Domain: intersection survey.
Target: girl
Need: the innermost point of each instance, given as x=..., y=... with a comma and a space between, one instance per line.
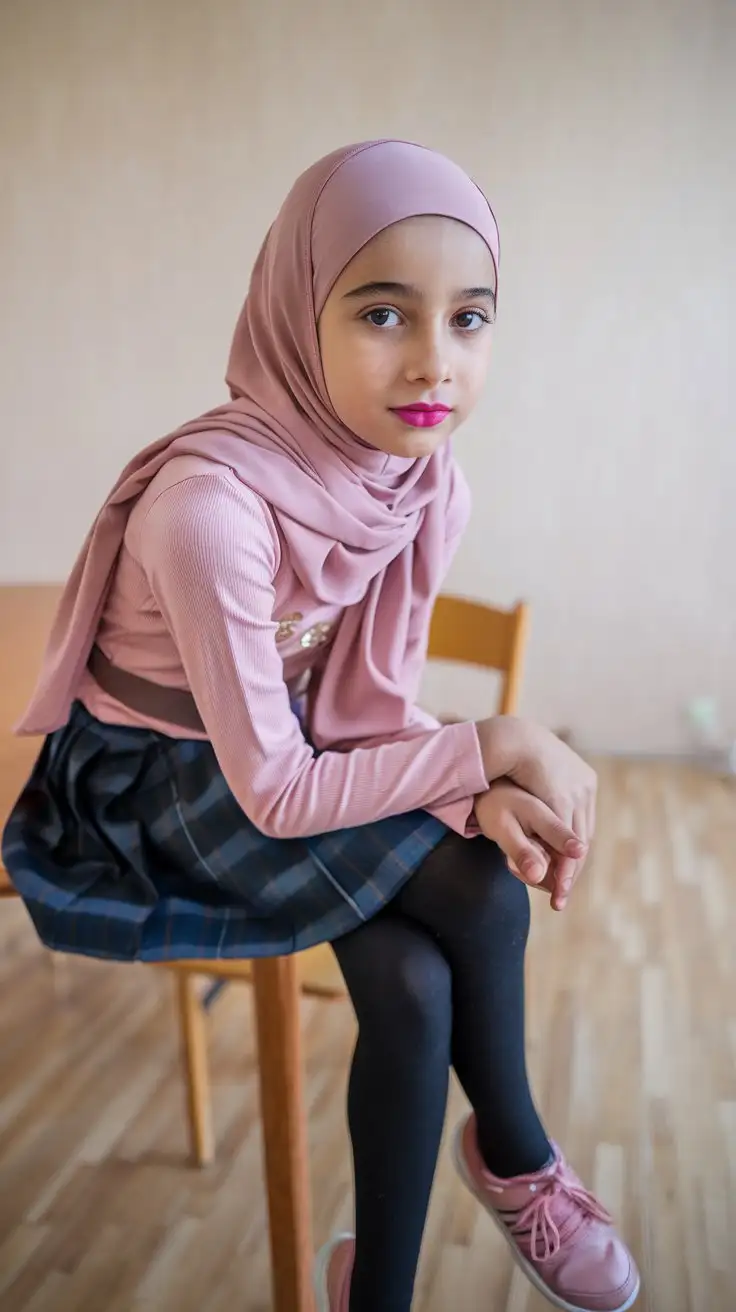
x=235, y=764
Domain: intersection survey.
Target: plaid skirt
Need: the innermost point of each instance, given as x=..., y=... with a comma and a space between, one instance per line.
x=129, y=845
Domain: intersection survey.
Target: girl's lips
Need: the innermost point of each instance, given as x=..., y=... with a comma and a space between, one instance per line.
x=422, y=416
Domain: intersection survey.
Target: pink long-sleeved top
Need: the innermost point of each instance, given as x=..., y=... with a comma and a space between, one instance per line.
x=204, y=597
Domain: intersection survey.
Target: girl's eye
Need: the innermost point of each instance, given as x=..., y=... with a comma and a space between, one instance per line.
x=471, y=320
x=382, y=317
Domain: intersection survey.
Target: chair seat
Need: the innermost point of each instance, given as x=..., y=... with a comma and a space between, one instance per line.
x=317, y=970
x=231, y=969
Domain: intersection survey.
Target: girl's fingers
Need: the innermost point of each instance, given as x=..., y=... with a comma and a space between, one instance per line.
x=564, y=838
x=548, y=883
x=564, y=879
x=525, y=857
x=544, y=859
x=556, y=835
x=541, y=849
x=568, y=871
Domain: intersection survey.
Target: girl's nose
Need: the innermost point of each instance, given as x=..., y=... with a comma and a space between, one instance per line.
x=429, y=358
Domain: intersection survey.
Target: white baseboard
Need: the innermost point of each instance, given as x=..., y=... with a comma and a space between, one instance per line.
x=720, y=763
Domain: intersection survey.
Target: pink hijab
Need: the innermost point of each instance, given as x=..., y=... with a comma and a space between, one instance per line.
x=364, y=530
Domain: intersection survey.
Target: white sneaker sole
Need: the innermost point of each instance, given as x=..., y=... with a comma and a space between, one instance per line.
x=321, y=1267
x=527, y=1267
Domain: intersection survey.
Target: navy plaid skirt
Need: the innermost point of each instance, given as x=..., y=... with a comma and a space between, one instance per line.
x=128, y=844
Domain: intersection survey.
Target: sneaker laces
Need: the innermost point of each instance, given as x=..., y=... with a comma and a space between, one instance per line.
x=536, y=1217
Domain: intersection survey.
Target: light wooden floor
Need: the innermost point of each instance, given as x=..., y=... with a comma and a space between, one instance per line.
x=632, y=1006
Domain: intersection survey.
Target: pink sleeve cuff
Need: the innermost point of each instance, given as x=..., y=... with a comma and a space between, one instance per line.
x=459, y=815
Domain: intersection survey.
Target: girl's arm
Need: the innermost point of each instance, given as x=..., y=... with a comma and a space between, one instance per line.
x=210, y=555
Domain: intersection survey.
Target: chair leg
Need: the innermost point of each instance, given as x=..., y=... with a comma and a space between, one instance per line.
x=194, y=1055
x=276, y=992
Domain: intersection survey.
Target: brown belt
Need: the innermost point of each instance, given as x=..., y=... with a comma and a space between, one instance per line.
x=175, y=706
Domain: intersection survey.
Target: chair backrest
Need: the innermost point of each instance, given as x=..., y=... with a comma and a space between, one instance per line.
x=474, y=634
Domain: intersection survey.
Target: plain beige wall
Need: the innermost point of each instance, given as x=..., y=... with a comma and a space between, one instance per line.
x=145, y=146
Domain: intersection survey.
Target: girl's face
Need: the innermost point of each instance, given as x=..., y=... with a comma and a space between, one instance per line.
x=408, y=324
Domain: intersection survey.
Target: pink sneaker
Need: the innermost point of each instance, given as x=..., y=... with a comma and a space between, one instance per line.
x=332, y=1272
x=560, y=1236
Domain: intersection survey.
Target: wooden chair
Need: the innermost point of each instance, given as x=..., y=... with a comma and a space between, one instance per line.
x=461, y=630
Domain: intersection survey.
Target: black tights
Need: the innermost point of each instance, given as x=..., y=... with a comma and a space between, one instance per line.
x=437, y=979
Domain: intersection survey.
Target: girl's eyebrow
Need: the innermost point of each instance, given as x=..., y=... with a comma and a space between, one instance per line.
x=384, y=289
x=414, y=293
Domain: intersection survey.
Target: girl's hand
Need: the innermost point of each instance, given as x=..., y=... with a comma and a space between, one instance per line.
x=535, y=842
x=539, y=762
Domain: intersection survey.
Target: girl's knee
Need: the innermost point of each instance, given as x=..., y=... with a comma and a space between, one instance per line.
x=504, y=898
x=478, y=887
x=420, y=989
x=402, y=989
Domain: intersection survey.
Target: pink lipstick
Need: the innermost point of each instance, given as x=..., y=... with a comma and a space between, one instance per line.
x=421, y=415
